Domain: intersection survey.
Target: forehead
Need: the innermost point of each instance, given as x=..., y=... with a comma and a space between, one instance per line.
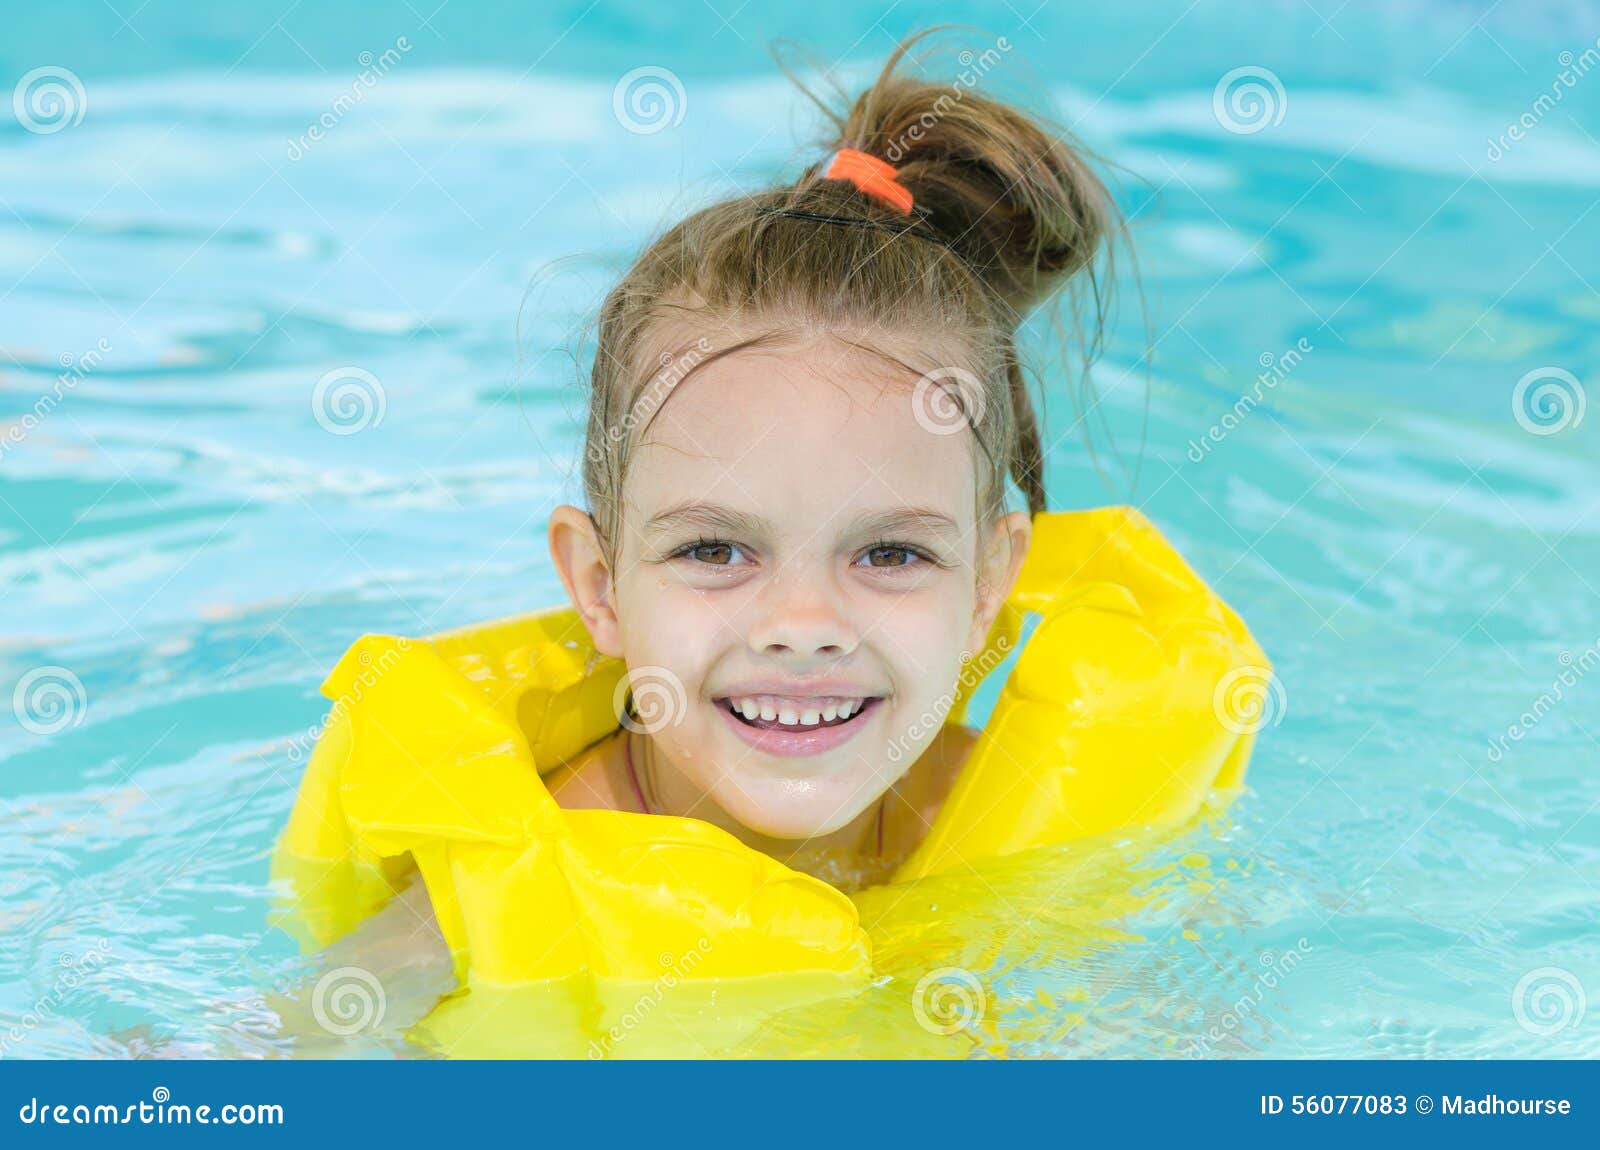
x=801, y=430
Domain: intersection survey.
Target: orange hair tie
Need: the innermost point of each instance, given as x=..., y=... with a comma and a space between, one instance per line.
x=873, y=176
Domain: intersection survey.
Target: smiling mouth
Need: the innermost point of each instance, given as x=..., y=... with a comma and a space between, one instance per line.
x=811, y=713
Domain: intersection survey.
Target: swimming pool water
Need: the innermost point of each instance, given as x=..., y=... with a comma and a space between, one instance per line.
x=306, y=400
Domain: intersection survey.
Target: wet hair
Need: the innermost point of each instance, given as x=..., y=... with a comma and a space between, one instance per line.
x=1007, y=214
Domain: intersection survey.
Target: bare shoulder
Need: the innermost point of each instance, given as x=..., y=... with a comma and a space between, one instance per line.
x=591, y=781
x=402, y=934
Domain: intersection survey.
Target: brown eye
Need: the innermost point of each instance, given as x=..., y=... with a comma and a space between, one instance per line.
x=888, y=556
x=719, y=554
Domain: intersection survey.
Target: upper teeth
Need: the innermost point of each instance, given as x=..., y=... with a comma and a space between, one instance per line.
x=795, y=712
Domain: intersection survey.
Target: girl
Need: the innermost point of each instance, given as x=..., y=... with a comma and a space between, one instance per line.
x=806, y=406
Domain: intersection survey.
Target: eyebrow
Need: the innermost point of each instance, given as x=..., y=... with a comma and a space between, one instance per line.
x=719, y=517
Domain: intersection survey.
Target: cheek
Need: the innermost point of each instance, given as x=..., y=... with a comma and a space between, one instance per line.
x=924, y=636
x=665, y=624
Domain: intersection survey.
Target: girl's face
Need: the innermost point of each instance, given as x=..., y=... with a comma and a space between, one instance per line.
x=799, y=573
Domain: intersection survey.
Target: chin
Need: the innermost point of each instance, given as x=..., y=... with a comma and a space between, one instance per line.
x=778, y=815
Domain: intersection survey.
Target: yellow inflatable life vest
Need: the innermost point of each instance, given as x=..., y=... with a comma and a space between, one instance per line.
x=1115, y=716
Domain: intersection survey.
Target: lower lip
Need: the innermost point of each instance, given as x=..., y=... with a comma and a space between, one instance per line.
x=801, y=741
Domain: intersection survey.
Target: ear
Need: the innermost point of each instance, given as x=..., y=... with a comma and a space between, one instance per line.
x=999, y=564
x=581, y=563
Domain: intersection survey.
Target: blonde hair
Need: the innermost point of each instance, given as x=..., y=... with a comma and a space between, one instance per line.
x=1005, y=215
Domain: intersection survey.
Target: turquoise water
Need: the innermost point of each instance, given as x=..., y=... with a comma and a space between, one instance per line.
x=1405, y=513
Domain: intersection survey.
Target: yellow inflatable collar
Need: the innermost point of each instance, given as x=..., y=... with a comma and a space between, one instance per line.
x=433, y=752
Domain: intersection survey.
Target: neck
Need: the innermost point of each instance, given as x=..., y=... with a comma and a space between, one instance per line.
x=666, y=791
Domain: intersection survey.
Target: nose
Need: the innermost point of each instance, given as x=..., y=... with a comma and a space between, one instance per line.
x=800, y=615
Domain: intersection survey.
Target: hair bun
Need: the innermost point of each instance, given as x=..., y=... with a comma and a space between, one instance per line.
x=1018, y=203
